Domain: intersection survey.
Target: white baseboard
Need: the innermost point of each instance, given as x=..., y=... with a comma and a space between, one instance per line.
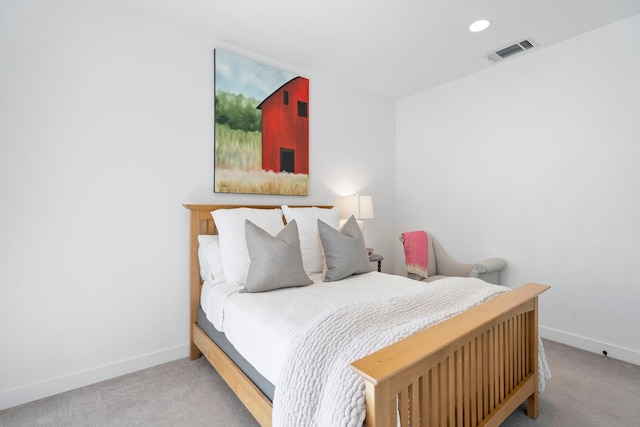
x=35, y=391
x=39, y=390
x=591, y=345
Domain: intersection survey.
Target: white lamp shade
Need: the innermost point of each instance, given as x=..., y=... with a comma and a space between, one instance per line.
x=361, y=207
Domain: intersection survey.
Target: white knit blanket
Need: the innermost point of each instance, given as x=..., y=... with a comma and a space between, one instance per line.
x=318, y=387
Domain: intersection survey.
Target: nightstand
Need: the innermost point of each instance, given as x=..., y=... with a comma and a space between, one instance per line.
x=376, y=258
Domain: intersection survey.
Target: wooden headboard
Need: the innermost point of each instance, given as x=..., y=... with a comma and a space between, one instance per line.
x=202, y=223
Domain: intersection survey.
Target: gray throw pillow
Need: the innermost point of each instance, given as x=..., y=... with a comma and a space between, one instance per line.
x=344, y=250
x=276, y=262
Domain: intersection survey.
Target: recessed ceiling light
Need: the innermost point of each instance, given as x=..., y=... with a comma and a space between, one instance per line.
x=479, y=25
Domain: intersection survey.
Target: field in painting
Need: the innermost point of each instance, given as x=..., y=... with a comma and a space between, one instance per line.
x=261, y=182
x=238, y=149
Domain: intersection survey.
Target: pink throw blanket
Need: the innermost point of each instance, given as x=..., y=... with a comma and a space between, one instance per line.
x=416, y=252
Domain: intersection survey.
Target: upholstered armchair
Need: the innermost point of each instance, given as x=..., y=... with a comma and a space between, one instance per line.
x=441, y=265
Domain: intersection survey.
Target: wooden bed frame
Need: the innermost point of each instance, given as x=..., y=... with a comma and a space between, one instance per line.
x=471, y=370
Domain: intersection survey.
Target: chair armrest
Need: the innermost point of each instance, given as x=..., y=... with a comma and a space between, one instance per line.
x=446, y=265
x=451, y=267
x=488, y=266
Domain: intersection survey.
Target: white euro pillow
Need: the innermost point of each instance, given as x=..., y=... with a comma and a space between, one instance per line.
x=233, y=243
x=210, y=257
x=307, y=220
x=204, y=240
x=205, y=270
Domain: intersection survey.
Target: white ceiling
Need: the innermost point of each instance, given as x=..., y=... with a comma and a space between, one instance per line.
x=393, y=48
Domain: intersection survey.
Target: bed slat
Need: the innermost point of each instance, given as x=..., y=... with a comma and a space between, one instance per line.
x=447, y=365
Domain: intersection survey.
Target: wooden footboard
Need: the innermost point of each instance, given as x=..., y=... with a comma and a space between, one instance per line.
x=473, y=369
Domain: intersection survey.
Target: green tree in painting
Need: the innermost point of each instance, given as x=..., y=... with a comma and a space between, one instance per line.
x=238, y=133
x=238, y=112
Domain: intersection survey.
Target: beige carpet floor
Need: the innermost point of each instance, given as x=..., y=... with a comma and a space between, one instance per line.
x=585, y=391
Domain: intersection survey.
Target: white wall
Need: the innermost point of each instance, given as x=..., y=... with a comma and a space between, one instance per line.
x=106, y=129
x=536, y=160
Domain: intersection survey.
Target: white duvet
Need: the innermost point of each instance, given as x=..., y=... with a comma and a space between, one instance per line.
x=262, y=325
x=319, y=388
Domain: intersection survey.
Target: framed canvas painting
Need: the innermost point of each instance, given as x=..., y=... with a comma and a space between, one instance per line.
x=261, y=128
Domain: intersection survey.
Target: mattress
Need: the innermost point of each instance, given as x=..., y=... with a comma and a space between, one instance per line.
x=221, y=341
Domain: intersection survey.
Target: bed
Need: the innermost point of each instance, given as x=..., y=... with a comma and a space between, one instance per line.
x=474, y=368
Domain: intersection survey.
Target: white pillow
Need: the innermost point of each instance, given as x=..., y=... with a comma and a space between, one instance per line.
x=205, y=270
x=307, y=220
x=233, y=243
x=210, y=257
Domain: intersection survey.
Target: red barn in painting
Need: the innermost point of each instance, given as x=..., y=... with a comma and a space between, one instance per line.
x=285, y=128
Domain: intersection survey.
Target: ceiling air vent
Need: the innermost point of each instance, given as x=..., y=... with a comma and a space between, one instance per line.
x=505, y=52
